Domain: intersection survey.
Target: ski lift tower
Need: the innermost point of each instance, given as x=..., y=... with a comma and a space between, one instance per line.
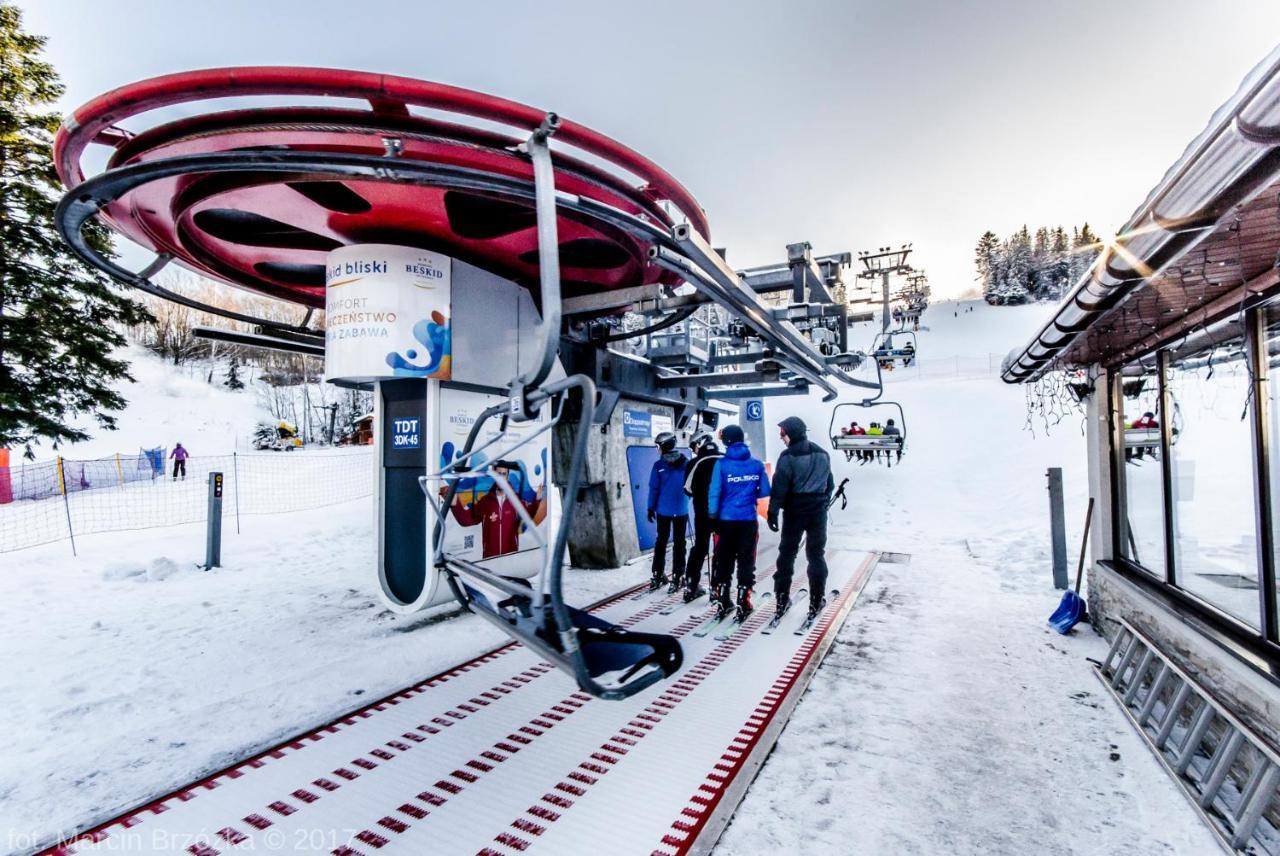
x=884, y=263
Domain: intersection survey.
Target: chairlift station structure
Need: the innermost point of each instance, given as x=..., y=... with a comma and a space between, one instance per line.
x=474, y=278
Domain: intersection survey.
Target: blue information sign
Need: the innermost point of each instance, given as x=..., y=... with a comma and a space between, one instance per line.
x=405, y=434
x=755, y=411
x=637, y=423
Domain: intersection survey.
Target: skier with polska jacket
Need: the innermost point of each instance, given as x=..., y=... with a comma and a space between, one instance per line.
x=737, y=481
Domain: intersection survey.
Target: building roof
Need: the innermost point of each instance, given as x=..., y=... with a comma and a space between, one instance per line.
x=1204, y=240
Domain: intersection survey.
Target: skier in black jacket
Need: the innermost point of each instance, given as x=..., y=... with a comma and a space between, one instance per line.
x=697, y=484
x=802, y=488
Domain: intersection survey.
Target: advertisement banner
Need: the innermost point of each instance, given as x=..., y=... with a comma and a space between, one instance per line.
x=637, y=423
x=387, y=313
x=484, y=523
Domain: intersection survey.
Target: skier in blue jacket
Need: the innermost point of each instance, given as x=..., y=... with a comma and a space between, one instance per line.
x=736, y=483
x=669, y=508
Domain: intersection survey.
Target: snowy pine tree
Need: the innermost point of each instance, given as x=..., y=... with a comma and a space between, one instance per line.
x=986, y=259
x=232, y=378
x=1025, y=267
x=60, y=320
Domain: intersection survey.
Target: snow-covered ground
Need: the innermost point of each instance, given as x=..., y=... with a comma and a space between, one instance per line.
x=947, y=719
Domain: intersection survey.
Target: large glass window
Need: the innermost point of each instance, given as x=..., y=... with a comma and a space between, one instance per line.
x=1215, y=542
x=1143, y=526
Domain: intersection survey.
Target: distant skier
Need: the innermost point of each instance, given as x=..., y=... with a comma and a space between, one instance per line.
x=697, y=486
x=179, y=455
x=802, y=488
x=737, y=481
x=669, y=508
x=891, y=430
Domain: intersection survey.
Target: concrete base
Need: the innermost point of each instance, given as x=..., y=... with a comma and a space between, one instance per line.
x=604, y=525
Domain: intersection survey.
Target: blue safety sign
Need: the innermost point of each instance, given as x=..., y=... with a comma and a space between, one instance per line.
x=637, y=423
x=405, y=434
x=755, y=411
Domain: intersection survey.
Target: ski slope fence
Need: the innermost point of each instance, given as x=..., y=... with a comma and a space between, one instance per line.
x=945, y=367
x=62, y=499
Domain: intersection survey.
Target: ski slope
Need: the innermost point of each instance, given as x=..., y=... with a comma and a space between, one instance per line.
x=947, y=718
x=172, y=404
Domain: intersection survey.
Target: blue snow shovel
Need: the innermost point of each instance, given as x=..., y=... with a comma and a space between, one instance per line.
x=1072, y=608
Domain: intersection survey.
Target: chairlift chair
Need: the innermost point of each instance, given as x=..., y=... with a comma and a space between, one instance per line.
x=607, y=661
x=888, y=354
x=860, y=445
x=1140, y=441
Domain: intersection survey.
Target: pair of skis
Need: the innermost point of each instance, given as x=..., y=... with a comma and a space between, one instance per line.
x=679, y=602
x=727, y=623
x=809, y=618
x=777, y=618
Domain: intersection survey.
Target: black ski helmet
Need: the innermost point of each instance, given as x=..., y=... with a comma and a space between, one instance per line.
x=666, y=441
x=701, y=439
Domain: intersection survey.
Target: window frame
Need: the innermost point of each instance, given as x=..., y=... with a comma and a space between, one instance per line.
x=1262, y=643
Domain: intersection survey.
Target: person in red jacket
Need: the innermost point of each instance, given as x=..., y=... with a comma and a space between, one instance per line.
x=1146, y=422
x=856, y=430
x=496, y=514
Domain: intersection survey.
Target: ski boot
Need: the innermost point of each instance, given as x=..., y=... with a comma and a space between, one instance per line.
x=676, y=584
x=745, y=606
x=783, y=601
x=693, y=592
x=657, y=581
x=720, y=595
x=816, y=603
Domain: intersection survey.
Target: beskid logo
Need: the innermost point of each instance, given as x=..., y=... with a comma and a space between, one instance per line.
x=424, y=269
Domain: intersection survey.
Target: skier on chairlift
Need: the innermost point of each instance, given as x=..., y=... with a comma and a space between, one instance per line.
x=856, y=430
x=737, y=481
x=697, y=486
x=1147, y=422
x=669, y=508
x=891, y=430
x=802, y=489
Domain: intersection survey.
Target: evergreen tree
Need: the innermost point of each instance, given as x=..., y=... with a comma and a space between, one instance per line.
x=1041, y=282
x=1019, y=274
x=232, y=378
x=60, y=320
x=985, y=258
x=1085, y=246
x=1059, y=263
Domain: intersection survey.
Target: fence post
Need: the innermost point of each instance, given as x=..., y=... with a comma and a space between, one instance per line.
x=235, y=485
x=213, y=529
x=66, y=505
x=1057, y=528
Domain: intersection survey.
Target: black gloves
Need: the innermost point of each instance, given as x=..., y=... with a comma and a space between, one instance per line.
x=653, y=515
x=773, y=524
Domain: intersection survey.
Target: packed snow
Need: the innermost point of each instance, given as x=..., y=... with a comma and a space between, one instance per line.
x=948, y=717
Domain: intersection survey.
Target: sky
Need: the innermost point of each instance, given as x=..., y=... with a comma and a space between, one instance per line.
x=851, y=125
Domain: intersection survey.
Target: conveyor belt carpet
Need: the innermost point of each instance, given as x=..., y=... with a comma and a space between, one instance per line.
x=502, y=756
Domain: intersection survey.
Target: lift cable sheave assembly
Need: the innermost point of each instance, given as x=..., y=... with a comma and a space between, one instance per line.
x=179, y=161
x=257, y=197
